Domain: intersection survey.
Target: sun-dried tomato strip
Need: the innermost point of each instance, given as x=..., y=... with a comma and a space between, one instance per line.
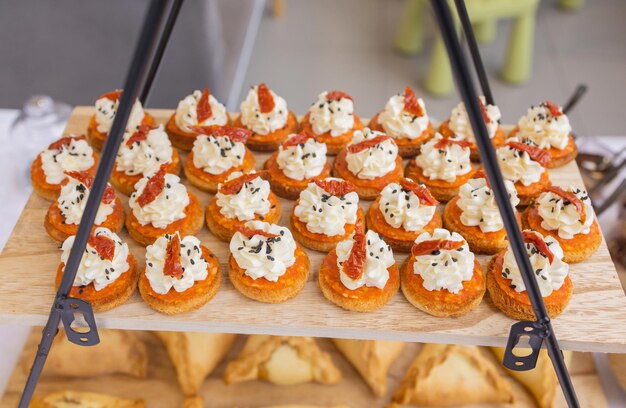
x=113, y=95
x=337, y=95
x=531, y=237
x=140, y=135
x=250, y=232
x=554, y=109
x=153, y=187
x=234, y=186
x=353, y=266
x=172, y=266
x=236, y=134
x=365, y=144
x=266, y=100
x=445, y=142
x=432, y=245
x=87, y=179
x=104, y=246
x=411, y=103
x=483, y=110
x=422, y=193
x=335, y=187
x=65, y=140
x=572, y=198
x=203, y=108
x=295, y=140
x=541, y=156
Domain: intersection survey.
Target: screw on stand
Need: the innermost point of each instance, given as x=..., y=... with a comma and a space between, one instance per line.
x=540, y=331
x=142, y=70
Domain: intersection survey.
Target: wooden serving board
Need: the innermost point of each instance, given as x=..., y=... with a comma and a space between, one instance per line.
x=160, y=388
x=595, y=319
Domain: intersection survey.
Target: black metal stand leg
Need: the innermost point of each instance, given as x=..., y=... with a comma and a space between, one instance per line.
x=145, y=61
x=541, y=330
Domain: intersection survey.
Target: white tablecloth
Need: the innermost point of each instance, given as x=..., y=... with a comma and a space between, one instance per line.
x=12, y=337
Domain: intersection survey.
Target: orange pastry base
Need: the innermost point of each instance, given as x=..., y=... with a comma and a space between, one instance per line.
x=262, y=290
x=398, y=239
x=498, y=139
x=42, y=187
x=193, y=298
x=517, y=305
x=334, y=144
x=406, y=147
x=284, y=186
x=111, y=296
x=271, y=141
x=363, y=299
x=125, y=183
x=479, y=242
x=315, y=241
x=180, y=138
x=442, y=303
x=442, y=190
x=224, y=228
x=59, y=231
x=577, y=249
x=527, y=194
x=366, y=189
x=208, y=182
x=147, y=234
x=558, y=157
x=96, y=138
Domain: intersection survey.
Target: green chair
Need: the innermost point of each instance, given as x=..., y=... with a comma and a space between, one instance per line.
x=484, y=15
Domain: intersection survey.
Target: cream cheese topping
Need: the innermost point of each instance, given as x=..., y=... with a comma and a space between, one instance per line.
x=478, y=204
x=379, y=258
x=263, y=123
x=95, y=269
x=106, y=110
x=186, y=115
x=560, y=215
x=444, y=269
x=195, y=267
x=167, y=207
x=402, y=208
x=446, y=163
x=400, y=124
x=262, y=257
x=459, y=121
x=303, y=161
x=334, y=116
x=518, y=166
x=375, y=161
x=72, y=201
x=252, y=199
x=77, y=155
x=550, y=277
x=540, y=126
x=145, y=156
x=216, y=155
x=323, y=213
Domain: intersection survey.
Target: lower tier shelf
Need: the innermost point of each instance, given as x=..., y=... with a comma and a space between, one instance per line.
x=595, y=319
x=160, y=389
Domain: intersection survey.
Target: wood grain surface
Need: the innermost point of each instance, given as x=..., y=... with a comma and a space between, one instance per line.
x=160, y=388
x=594, y=321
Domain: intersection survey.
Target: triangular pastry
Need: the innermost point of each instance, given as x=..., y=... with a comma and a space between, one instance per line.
x=444, y=375
x=282, y=360
x=79, y=399
x=119, y=352
x=541, y=381
x=195, y=355
x=372, y=359
x=193, y=402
